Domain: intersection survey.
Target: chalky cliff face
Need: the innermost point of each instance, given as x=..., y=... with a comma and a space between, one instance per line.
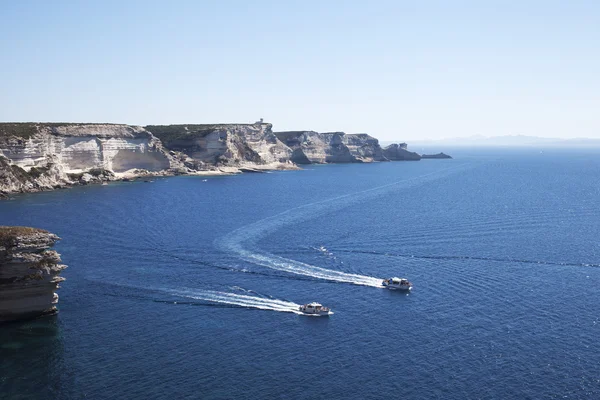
x=337, y=147
x=28, y=273
x=45, y=156
x=80, y=147
x=232, y=145
x=364, y=148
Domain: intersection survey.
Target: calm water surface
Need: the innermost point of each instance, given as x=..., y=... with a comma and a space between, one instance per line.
x=186, y=287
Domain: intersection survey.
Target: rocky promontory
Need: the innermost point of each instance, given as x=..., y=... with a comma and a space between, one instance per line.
x=399, y=152
x=28, y=273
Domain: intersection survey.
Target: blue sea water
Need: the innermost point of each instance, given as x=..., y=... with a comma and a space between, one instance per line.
x=186, y=287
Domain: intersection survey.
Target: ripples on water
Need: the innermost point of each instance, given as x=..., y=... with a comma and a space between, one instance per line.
x=189, y=287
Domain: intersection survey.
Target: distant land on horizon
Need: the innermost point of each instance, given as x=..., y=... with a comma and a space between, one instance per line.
x=507, y=140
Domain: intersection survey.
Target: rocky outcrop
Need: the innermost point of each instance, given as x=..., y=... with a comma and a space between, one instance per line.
x=438, y=155
x=47, y=175
x=336, y=147
x=28, y=273
x=201, y=147
x=399, y=152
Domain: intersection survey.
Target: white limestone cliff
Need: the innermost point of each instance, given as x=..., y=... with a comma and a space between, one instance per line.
x=237, y=146
x=48, y=155
x=79, y=147
x=334, y=147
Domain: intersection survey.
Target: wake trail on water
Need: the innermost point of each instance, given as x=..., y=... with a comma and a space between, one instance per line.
x=243, y=241
x=477, y=258
x=240, y=300
x=250, y=299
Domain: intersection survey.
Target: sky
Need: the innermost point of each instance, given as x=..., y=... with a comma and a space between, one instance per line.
x=398, y=70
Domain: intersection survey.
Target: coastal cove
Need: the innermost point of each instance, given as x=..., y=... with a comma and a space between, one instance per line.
x=190, y=281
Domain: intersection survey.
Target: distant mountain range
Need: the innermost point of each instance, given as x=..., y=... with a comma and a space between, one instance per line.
x=510, y=140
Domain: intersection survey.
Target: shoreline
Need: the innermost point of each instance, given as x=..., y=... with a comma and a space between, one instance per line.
x=135, y=175
x=147, y=176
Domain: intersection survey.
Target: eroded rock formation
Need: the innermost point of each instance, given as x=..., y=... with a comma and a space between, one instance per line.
x=399, y=152
x=242, y=146
x=28, y=273
x=334, y=147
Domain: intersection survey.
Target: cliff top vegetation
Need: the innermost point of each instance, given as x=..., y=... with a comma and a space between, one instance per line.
x=25, y=130
x=172, y=133
x=9, y=234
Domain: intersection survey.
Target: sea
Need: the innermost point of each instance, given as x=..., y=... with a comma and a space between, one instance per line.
x=188, y=287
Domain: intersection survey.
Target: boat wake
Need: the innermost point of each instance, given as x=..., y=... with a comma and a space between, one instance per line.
x=243, y=241
x=240, y=300
x=297, y=267
x=199, y=297
x=476, y=258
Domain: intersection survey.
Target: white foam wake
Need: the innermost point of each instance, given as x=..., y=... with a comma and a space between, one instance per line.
x=240, y=300
x=242, y=241
x=297, y=267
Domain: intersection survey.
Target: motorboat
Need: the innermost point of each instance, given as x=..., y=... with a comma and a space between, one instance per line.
x=397, y=284
x=315, y=309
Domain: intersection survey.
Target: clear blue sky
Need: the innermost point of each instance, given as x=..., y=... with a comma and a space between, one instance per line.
x=394, y=69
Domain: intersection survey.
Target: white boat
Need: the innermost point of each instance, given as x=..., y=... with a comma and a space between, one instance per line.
x=315, y=309
x=397, y=284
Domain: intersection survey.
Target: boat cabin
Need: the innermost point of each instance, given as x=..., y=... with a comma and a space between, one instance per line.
x=397, y=281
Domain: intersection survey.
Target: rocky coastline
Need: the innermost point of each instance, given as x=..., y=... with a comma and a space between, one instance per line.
x=29, y=273
x=47, y=156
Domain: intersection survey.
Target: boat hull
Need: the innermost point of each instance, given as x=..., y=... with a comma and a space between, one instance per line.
x=320, y=314
x=403, y=289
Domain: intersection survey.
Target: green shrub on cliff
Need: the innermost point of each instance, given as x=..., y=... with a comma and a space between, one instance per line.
x=36, y=172
x=9, y=234
x=22, y=130
x=25, y=130
x=170, y=134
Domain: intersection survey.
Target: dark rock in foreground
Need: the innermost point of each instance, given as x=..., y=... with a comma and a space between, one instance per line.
x=28, y=273
x=438, y=155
